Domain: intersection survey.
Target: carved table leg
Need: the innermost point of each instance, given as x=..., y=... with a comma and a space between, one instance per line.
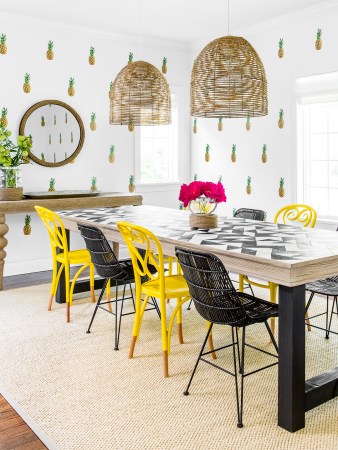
x=3, y=242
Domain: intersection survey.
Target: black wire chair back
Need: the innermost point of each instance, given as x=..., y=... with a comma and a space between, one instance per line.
x=252, y=214
x=211, y=289
x=102, y=255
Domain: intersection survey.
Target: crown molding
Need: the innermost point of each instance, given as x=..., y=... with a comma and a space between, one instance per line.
x=54, y=25
x=302, y=15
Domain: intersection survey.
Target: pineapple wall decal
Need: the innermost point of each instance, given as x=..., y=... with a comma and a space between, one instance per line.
x=60, y=138
x=43, y=123
x=71, y=88
x=66, y=118
x=112, y=154
x=3, y=46
x=264, y=155
x=93, y=121
x=93, y=186
x=280, y=48
x=4, y=120
x=248, y=186
x=130, y=57
x=194, y=128
x=207, y=153
x=131, y=125
x=91, y=58
x=281, y=119
x=27, y=229
x=110, y=93
x=131, y=186
x=233, y=153
x=50, y=51
x=319, y=42
x=51, y=185
x=281, y=190
x=220, y=124
x=248, y=124
x=43, y=157
x=195, y=177
x=164, y=65
x=26, y=84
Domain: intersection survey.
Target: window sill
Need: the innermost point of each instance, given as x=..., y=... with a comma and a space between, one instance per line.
x=158, y=187
x=327, y=223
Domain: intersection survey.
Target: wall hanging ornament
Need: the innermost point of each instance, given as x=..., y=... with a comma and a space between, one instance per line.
x=130, y=57
x=71, y=137
x=281, y=119
x=195, y=177
x=248, y=186
x=27, y=229
x=51, y=185
x=93, y=186
x=319, y=42
x=220, y=124
x=66, y=118
x=281, y=190
x=26, y=84
x=93, y=121
x=4, y=120
x=54, y=119
x=71, y=88
x=91, y=58
x=280, y=48
x=194, y=128
x=164, y=65
x=54, y=157
x=43, y=157
x=233, y=153
x=248, y=124
x=228, y=80
x=264, y=155
x=112, y=154
x=50, y=139
x=207, y=153
x=110, y=90
x=50, y=51
x=131, y=186
x=43, y=123
x=3, y=46
x=60, y=138
x=66, y=156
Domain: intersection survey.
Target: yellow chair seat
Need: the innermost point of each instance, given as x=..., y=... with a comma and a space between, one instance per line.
x=75, y=257
x=175, y=287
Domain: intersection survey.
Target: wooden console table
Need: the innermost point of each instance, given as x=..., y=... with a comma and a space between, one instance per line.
x=106, y=200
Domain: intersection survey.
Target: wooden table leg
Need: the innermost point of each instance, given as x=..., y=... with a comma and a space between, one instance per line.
x=3, y=242
x=291, y=366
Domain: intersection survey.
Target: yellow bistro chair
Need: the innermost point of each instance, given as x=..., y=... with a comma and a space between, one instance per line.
x=160, y=286
x=66, y=258
x=306, y=216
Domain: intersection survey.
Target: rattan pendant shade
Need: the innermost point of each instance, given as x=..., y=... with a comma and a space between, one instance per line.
x=228, y=80
x=140, y=95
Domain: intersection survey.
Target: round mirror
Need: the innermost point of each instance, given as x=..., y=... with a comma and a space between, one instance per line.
x=57, y=132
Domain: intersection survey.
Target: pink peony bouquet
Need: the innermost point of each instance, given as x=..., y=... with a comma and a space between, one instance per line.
x=212, y=191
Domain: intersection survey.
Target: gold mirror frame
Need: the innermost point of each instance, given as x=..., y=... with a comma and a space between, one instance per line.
x=78, y=119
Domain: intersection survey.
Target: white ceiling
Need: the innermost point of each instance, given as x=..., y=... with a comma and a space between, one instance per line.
x=181, y=20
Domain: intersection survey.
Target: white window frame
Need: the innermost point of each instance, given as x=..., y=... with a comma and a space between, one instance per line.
x=167, y=185
x=309, y=98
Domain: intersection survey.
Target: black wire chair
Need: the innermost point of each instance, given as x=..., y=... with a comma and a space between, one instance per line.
x=110, y=268
x=252, y=214
x=217, y=301
x=328, y=288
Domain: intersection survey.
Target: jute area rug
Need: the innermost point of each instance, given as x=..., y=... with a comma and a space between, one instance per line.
x=77, y=393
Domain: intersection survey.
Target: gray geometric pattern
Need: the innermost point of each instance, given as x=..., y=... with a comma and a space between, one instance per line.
x=262, y=239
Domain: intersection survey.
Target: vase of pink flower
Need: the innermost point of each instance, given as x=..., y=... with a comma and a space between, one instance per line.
x=202, y=197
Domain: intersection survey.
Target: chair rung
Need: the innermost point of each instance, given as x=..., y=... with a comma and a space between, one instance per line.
x=217, y=367
x=258, y=370
x=260, y=350
x=217, y=349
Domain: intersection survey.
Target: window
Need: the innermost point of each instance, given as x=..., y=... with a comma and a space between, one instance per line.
x=157, y=150
x=318, y=153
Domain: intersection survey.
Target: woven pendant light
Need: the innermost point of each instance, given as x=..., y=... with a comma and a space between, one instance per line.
x=140, y=95
x=228, y=80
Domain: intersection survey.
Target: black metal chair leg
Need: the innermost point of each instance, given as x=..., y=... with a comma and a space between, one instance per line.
x=132, y=296
x=98, y=304
x=186, y=392
x=327, y=332
x=189, y=306
x=236, y=377
x=272, y=337
x=116, y=315
x=333, y=303
x=309, y=302
x=238, y=352
x=156, y=307
x=240, y=418
x=120, y=320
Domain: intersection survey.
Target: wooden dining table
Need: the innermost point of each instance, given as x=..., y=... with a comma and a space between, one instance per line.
x=287, y=255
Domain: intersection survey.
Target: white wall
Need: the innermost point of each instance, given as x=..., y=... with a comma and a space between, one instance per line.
x=301, y=59
x=27, y=45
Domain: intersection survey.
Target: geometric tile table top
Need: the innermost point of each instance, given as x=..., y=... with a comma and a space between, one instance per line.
x=285, y=254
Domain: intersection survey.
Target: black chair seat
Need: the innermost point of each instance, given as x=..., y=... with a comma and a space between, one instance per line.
x=329, y=286
x=257, y=310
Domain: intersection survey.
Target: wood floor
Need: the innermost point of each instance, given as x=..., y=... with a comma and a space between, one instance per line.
x=15, y=434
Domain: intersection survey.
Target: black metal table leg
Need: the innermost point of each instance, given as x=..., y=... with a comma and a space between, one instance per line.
x=291, y=367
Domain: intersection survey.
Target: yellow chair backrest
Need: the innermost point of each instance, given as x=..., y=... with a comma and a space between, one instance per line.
x=136, y=238
x=304, y=214
x=55, y=228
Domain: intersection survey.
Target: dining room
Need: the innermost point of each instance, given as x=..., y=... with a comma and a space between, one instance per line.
x=168, y=217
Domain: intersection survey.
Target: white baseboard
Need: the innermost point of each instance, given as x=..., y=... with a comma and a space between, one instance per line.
x=27, y=266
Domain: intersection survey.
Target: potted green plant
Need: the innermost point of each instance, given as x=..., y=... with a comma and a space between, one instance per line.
x=11, y=156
